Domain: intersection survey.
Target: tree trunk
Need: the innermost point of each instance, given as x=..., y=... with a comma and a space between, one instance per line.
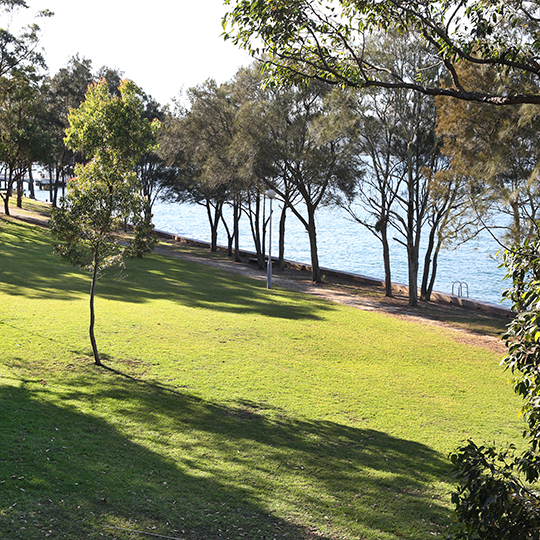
x=9, y=185
x=427, y=265
x=214, y=222
x=429, y=289
x=412, y=246
x=97, y=359
x=312, y=233
x=386, y=261
x=51, y=185
x=6, y=205
x=20, y=190
x=54, y=193
x=230, y=237
x=31, y=188
x=282, y=237
x=236, y=233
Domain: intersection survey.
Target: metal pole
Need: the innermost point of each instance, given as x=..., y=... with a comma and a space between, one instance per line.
x=269, y=276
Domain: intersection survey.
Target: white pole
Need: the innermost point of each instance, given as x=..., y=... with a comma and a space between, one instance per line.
x=271, y=194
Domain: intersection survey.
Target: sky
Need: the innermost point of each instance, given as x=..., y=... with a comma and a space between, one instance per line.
x=164, y=46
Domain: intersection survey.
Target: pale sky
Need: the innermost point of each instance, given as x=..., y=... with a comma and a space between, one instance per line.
x=162, y=45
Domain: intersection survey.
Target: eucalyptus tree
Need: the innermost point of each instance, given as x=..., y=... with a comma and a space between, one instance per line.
x=205, y=132
x=19, y=50
x=111, y=132
x=301, y=146
x=24, y=138
x=314, y=156
x=21, y=67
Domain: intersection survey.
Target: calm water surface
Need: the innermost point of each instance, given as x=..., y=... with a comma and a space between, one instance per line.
x=345, y=245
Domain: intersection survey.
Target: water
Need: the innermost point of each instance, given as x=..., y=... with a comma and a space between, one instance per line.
x=345, y=245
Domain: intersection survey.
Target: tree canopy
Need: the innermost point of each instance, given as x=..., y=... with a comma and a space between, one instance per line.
x=326, y=40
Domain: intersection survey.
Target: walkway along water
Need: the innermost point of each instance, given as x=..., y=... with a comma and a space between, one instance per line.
x=345, y=276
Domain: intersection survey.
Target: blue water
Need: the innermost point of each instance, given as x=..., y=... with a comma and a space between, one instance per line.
x=345, y=245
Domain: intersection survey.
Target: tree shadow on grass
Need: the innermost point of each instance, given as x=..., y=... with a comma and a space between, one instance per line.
x=151, y=278
x=28, y=266
x=209, y=470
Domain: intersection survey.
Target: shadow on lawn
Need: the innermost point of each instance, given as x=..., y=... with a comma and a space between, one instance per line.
x=150, y=278
x=217, y=471
x=28, y=266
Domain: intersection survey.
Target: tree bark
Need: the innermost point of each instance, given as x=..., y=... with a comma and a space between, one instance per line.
x=424, y=295
x=31, y=188
x=412, y=245
x=312, y=233
x=282, y=220
x=386, y=261
x=97, y=359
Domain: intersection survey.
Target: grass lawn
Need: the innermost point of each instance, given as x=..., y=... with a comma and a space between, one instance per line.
x=225, y=410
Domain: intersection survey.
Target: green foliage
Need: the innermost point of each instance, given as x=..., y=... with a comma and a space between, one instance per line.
x=97, y=204
x=111, y=130
x=492, y=502
x=111, y=127
x=496, y=498
x=326, y=40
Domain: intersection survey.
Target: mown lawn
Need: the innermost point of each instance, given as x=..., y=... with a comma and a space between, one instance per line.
x=225, y=410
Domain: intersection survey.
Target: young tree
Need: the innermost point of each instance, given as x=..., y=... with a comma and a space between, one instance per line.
x=111, y=131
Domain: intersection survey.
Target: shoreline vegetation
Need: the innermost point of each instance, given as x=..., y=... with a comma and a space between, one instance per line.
x=227, y=410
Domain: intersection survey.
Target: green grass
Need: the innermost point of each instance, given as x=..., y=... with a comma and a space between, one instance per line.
x=225, y=410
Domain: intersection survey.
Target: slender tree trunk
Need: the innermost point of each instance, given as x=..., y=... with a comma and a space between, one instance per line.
x=55, y=189
x=51, y=185
x=9, y=185
x=312, y=233
x=236, y=226
x=31, y=188
x=282, y=237
x=214, y=223
x=386, y=261
x=427, y=265
x=230, y=237
x=20, y=188
x=97, y=359
x=433, y=273
x=412, y=246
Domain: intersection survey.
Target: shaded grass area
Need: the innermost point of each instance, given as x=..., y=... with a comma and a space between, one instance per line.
x=226, y=410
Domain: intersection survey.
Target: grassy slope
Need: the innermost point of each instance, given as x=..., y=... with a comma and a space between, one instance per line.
x=227, y=411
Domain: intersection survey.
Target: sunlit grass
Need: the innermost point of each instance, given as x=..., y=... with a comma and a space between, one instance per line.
x=226, y=410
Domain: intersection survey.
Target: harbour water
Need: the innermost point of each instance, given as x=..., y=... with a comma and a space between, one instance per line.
x=345, y=245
